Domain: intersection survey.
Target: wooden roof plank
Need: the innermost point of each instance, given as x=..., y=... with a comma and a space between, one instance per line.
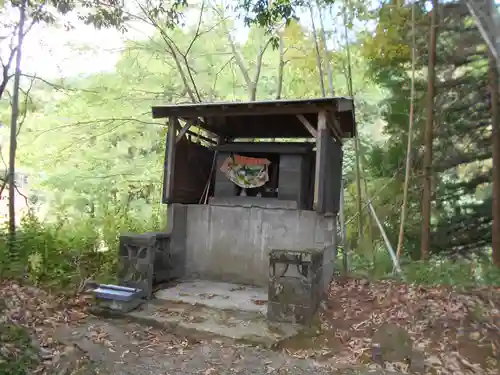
x=296, y=106
x=247, y=119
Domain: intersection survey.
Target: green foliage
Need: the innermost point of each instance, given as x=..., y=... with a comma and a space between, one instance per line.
x=268, y=14
x=461, y=208
x=17, y=356
x=94, y=151
x=96, y=13
x=438, y=271
x=66, y=253
x=95, y=157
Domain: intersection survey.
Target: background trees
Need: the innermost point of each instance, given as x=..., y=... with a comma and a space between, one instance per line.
x=94, y=154
x=461, y=209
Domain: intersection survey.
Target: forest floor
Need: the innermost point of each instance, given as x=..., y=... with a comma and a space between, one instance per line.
x=417, y=329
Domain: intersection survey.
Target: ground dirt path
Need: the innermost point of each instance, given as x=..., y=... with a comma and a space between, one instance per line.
x=418, y=330
x=119, y=347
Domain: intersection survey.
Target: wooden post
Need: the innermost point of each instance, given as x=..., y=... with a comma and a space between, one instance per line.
x=168, y=183
x=320, y=160
x=170, y=160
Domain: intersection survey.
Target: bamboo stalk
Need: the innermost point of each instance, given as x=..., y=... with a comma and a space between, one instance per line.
x=404, y=207
x=356, y=138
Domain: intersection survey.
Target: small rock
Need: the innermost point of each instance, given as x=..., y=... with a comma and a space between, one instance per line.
x=393, y=342
x=377, y=353
x=434, y=361
x=45, y=354
x=417, y=362
x=69, y=362
x=474, y=335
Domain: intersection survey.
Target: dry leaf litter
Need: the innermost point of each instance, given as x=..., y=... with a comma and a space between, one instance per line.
x=451, y=332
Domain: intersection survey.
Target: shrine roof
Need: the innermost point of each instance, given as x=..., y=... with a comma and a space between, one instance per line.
x=264, y=119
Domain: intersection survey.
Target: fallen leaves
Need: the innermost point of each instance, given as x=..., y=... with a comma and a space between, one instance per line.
x=259, y=302
x=38, y=313
x=210, y=371
x=100, y=336
x=458, y=332
x=34, y=308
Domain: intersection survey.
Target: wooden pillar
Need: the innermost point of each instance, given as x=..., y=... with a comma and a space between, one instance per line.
x=168, y=181
x=319, y=186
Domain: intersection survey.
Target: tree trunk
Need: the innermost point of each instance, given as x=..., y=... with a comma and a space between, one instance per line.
x=428, y=137
x=13, y=127
x=404, y=207
x=258, y=69
x=370, y=222
x=495, y=125
x=252, y=84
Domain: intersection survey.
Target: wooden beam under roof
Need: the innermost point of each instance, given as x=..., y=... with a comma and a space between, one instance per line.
x=276, y=107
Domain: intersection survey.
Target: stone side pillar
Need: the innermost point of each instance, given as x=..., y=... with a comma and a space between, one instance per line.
x=142, y=259
x=295, y=285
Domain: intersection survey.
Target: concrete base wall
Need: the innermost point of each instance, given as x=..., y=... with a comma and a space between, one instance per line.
x=232, y=243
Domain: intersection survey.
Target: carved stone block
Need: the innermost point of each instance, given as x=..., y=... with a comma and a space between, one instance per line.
x=294, y=285
x=136, y=261
x=164, y=262
x=145, y=259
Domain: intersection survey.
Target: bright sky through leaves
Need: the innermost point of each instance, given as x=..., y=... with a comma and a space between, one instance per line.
x=54, y=52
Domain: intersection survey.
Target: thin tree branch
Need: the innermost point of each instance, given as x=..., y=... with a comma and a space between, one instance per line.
x=194, y=95
x=217, y=75
x=25, y=110
x=281, y=66
x=258, y=69
x=317, y=50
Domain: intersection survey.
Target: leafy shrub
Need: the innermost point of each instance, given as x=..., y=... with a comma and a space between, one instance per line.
x=437, y=271
x=65, y=253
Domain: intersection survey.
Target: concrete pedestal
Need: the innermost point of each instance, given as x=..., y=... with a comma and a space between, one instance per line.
x=232, y=243
x=143, y=259
x=295, y=285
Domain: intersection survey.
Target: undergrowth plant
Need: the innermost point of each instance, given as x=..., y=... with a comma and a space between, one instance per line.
x=65, y=253
x=18, y=357
x=437, y=271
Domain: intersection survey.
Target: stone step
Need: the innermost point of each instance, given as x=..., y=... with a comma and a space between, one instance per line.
x=216, y=294
x=196, y=320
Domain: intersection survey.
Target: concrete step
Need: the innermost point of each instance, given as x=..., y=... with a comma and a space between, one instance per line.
x=218, y=295
x=214, y=309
